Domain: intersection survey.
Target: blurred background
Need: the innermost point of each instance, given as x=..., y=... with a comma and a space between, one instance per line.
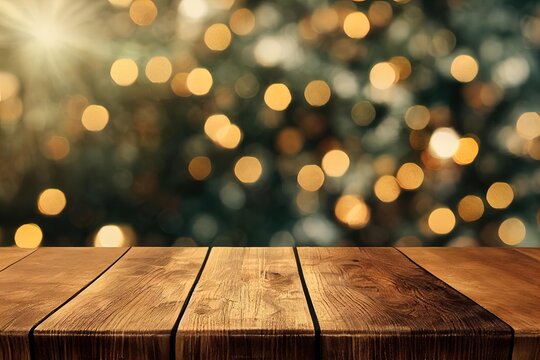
x=230, y=122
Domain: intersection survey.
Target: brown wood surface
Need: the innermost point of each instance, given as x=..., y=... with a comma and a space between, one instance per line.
x=374, y=303
x=38, y=284
x=10, y=255
x=128, y=313
x=532, y=252
x=503, y=281
x=248, y=304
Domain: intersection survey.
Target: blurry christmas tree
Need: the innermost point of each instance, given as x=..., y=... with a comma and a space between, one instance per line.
x=216, y=122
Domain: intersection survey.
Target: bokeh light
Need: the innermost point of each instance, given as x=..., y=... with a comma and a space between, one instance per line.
x=317, y=93
x=95, y=118
x=352, y=211
x=528, y=125
x=158, y=69
x=410, y=176
x=383, y=76
x=500, y=195
x=28, y=236
x=199, y=81
x=512, y=231
x=335, y=163
x=417, y=117
x=277, y=97
x=179, y=84
x=464, y=68
x=444, y=143
x=470, y=208
x=248, y=169
x=386, y=188
x=466, y=152
x=200, y=167
x=125, y=72
x=242, y=21
x=51, y=202
x=356, y=25
x=363, y=113
x=217, y=37
x=110, y=236
x=310, y=177
x=441, y=221
x=143, y=12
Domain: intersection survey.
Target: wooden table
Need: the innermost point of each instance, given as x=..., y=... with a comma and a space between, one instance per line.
x=270, y=303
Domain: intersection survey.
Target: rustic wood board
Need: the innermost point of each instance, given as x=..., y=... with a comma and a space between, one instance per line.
x=10, y=255
x=532, y=252
x=128, y=313
x=248, y=304
x=505, y=282
x=35, y=286
x=374, y=303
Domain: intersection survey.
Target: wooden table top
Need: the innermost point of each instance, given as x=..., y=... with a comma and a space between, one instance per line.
x=270, y=303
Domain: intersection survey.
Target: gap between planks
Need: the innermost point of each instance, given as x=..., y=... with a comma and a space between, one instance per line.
x=31, y=334
x=513, y=333
x=185, y=305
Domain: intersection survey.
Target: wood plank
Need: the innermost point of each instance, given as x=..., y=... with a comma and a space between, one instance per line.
x=35, y=286
x=503, y=281
x=10, y=255
x=375, y=303
x=248, y=304
x=532, y=252
x=128, y=313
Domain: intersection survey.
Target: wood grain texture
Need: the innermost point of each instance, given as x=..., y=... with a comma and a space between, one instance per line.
x=10, y=255
x=376, y=304
x=128, y=313
x=248, y=304
x=503, y=281
x=532, y=252
x=35, y=286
